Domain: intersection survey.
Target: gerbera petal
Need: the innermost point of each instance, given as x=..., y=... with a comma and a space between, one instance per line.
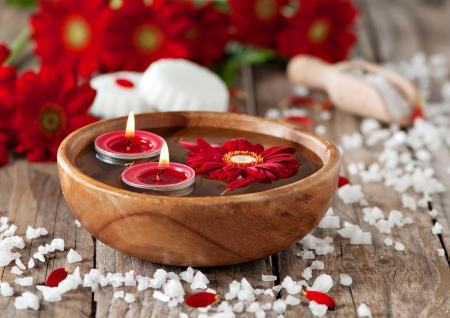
x=208, y=149
x=239, y=183
x=277, y=150
x=258, y=148
x=189, y=145
x=209, y=166
x=230, y=145
x=243, y=144
x=257, y=173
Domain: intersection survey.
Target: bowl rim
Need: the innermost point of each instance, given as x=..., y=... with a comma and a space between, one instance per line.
x=71, y=168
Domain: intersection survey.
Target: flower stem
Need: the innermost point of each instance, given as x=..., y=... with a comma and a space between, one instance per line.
x=18, y=45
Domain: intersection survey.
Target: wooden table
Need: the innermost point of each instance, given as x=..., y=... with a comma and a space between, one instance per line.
x=409, y=283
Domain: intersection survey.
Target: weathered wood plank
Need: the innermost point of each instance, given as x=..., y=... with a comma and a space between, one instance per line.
x=35, y=199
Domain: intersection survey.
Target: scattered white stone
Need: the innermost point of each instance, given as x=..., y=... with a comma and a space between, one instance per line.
x=279, y=306
x=269, y=278
x=273, y=113
x=433, y=213
x=307, y=273
x=323, y=283
x=118, y=294
x=39, y=256
x=27, y=300
x=42, y=250
x=173, y=289
x=325, y=115
x=348, y=230
x=360, y=237
x=317, y=265
x=320, y=130
x=35, y=233
x=291, y=286
x=183, y=315
x=388, y=241
x=437, y=228
x=26, y=281
x=129, y=298
x=372, y=215
x=7, y=256
x=399, y=246
x=235, y=287
x=73, y=257
x=11, y=231
x=199, y=281
x=77, y=223
x=409, y=202
x=16, y=270
x=329, y=222
x=352, y=141
x=291, y=300
x=364, y=311
x=57, y=244
x=160, y=296
x=129, y=279
x=350, y=193
x=6, y=290
x=19, y=263
x=345, y=279
x=187, y=275
x=115, y=279
x=50, y=294
x=238, y=307
x=369, y=125
x=441, y=252
x=384, y=226
x=423, y=155
x=305, y=254
x=72, y=281
x=317, y=310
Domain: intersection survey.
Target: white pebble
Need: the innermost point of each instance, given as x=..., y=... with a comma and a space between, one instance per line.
x=399, y=246
x=352, y=141
x=368, y=125
x=129, y=279
x=364, y=311
x=317, y=265
x=317, y=310
x=437, y=228
x=187, y=275
x=360, y=237
x=199, y=281
x=7, y=256
x=35, y=233
x=291, y=300
x=320, y=130
x=345, y=279
x=238, y=307
x=329, y=222
x=57, y=244
x=441, y=252
x=129, y=298
x=323, y=283
x=11, y=231
x=39, y=256
x=433, y=213
x=273, y=113
x=16, y=270
x=325, y=115
x=26, y=281
x=388, y=241
x=307, y=273
x=305, y=254
x=27, y=300
x=279, y=306
x=423, y=155
x=173, y=289
x=19, y=263
x=50, y=294
x=269, y=278
x=77, y=223
x=118, y=294
x=6, y=290
x=350, y=193
x=409, y=202
x=160, y=296
x=73, y=257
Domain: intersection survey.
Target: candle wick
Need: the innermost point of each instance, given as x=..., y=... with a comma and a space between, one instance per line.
x=128, y=144
x=160, y=173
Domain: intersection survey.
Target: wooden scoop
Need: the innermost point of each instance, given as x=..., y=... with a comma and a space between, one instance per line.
x=351, y=93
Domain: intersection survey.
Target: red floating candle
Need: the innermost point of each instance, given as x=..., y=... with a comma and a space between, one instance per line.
x=162, y=176
x=120, y=147
x=56, y=277
x=201, y=299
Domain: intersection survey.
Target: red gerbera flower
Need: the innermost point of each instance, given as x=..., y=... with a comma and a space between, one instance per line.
x=50, y=106
x=241, y=162
x=7, y=105
x=323, y=28
x=137, y=35
x=205, y=32
x=256, y=21
x=68, y=34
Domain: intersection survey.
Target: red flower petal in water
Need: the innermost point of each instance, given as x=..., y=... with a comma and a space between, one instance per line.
x=324, y=28
x=342, y=181
x=69, y=34
x=49, y=107
x=56, y=277
x=320, y=298
x=240, y=162
x=201, y=299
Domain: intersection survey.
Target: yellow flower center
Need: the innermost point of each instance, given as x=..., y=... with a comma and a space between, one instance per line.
x=318, y=31
x=265, y=10
x=242, y=158
x=52, y=119
x=77, y=33
x=147, y=38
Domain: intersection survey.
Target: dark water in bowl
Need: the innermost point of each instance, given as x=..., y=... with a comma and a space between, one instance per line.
x=109, y=174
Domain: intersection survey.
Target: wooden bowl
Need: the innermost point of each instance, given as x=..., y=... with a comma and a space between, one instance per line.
x=200, y=231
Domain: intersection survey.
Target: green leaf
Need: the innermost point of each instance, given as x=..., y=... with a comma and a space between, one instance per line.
x=22, y=3
x=241, y=55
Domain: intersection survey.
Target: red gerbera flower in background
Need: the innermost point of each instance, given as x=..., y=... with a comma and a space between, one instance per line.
x=256, y=21
x=138, y=34
x=241, y=162
x=323, y=28
x=205, y=32
x=7, y=105
x=68, y=34
x=50, y=106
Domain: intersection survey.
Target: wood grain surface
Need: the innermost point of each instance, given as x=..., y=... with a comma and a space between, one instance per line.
x=409, y=283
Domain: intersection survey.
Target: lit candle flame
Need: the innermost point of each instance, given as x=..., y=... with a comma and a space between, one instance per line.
x=129, y=131
x=164, y=157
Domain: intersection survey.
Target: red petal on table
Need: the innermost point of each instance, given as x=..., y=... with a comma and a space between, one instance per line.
x=124, y=83
x=301, y=101
x=326, y=105
x=342, y=181
x=56, y=277
x=320, y=298
x=418, y=113
x=302, y=121
x=201, y=299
